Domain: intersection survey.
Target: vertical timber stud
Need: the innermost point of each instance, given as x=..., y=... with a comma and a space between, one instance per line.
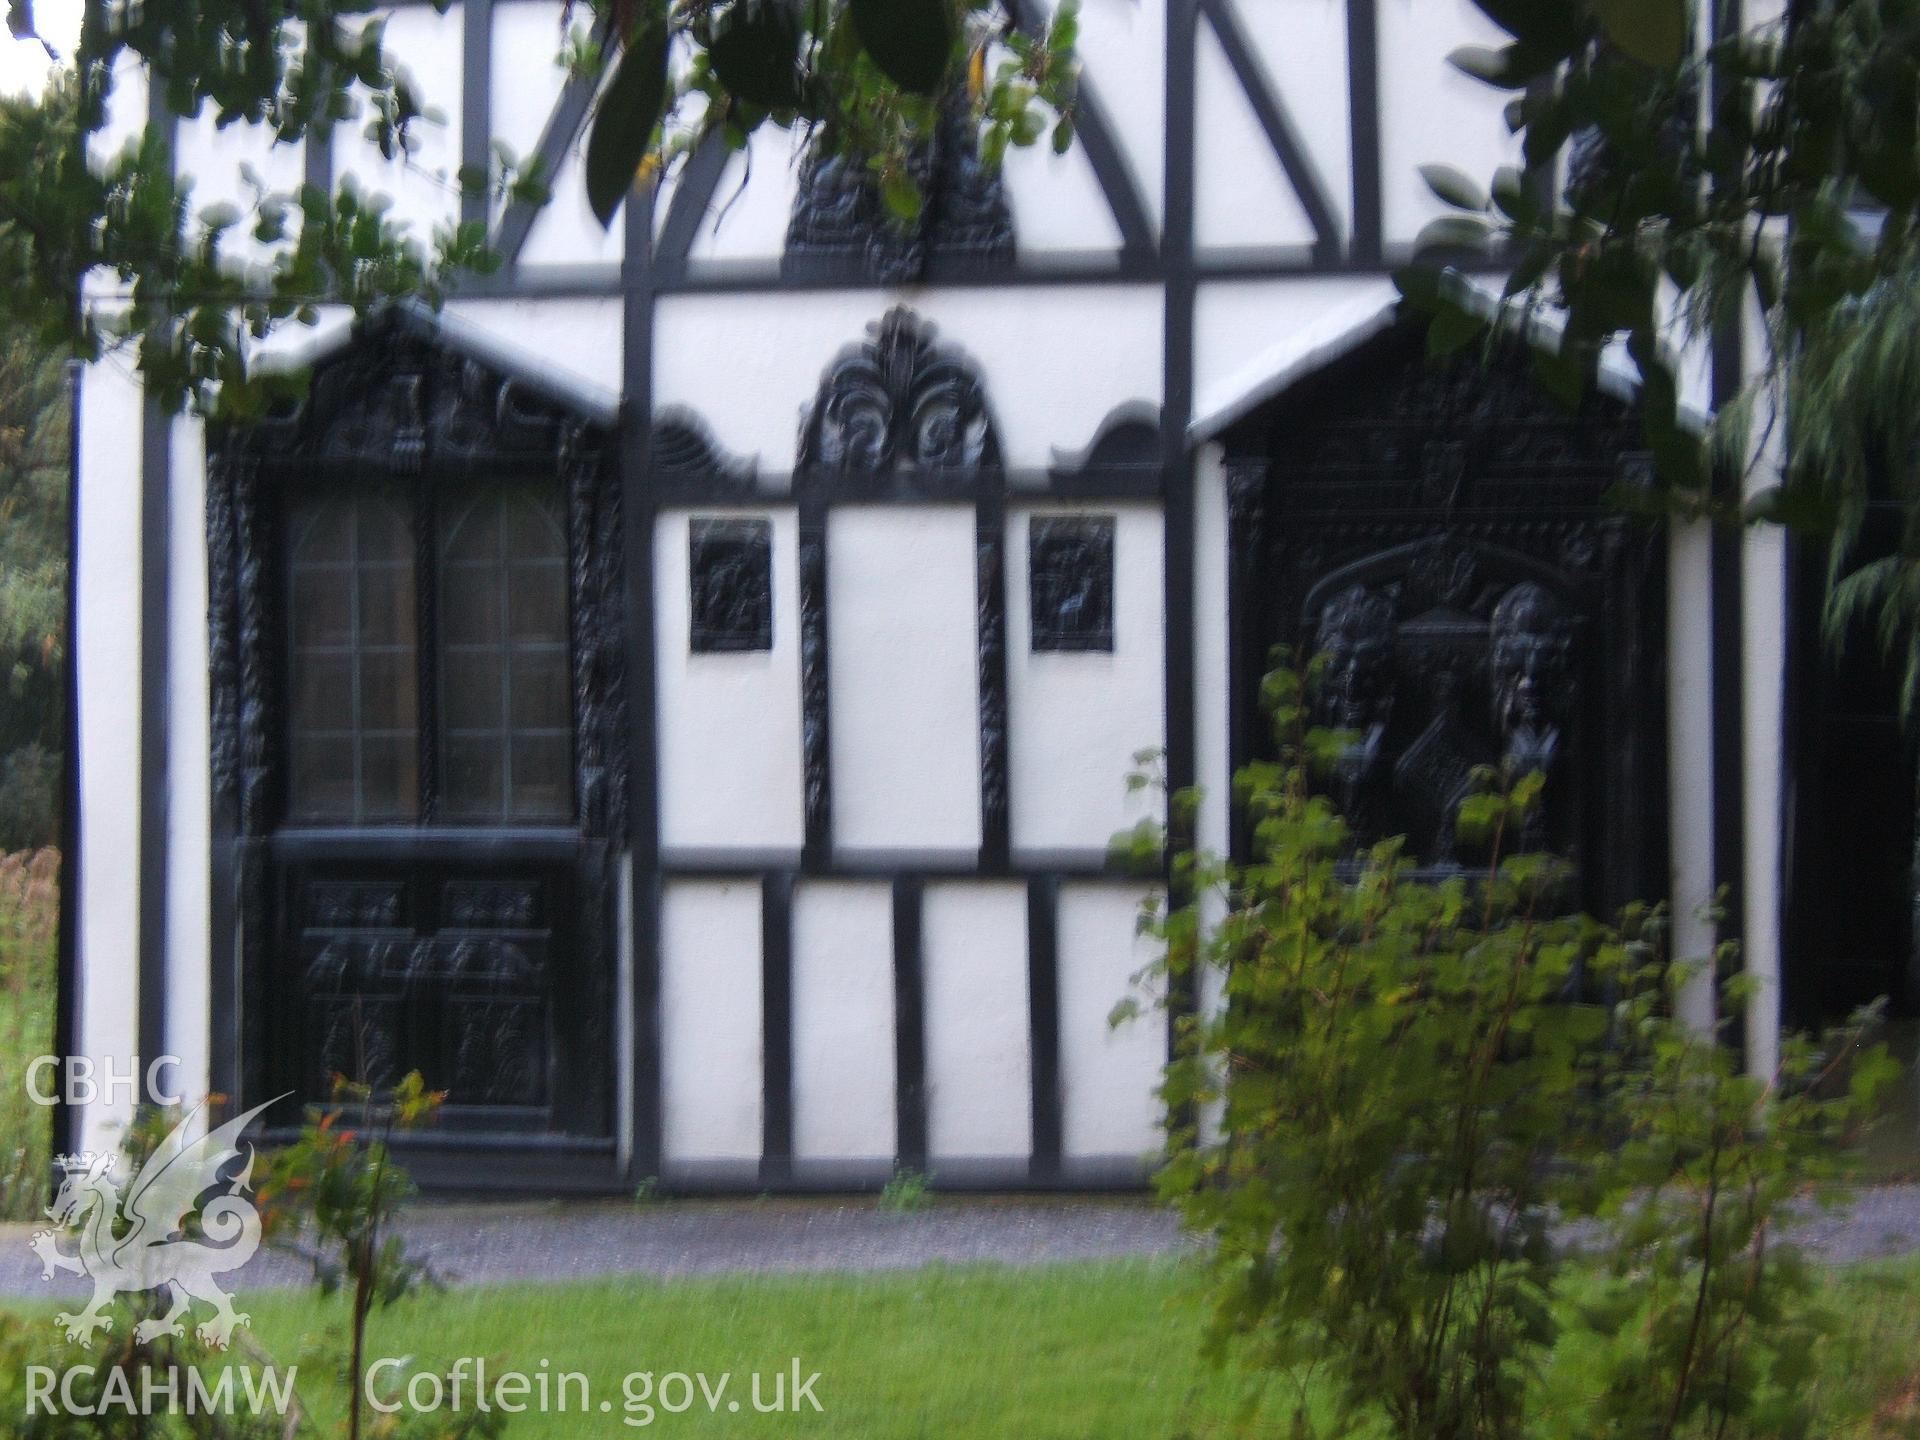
x=909, y=1029
x=1183, y=21
x=66, y=1137
x=156, y=532
x=776, y=1020
x=990, y=546
x=476, y=111
x=1363, y=99
x=1043, y=1005
x=643, y=767
x=815, y=735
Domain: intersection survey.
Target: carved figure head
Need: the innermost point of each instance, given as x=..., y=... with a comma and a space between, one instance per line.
x=1356, y=636
x=1531, y=645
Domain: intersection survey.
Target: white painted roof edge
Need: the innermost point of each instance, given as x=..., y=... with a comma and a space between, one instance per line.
x=1345, y=328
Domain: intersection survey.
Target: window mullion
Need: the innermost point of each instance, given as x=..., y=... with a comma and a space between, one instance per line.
x=427, y=646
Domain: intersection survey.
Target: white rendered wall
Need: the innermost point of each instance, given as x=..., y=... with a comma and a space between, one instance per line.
x=843, y=1030
x=1212, y=690
x=1242, y=194
x=579, y=344
x=973, y=951
x=189, y=767
x=1123, y=46
x=710, y=1029
x=728, y=724
x=212, y=159
x=904, y=677
x=424, y=187
x=1302, y=44
x=1108, y=1074
x=1077, y=718
x=752, y=368
x=106, y=646
x=1430, y=111
x=1690, y=817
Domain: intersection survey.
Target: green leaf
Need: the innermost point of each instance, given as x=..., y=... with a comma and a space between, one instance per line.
x=910, y=40
x=624, y=125
x=1454, y=186
x=1453, y=328
x=901, y=196
x=756, y=52
x=1654, y=32
x=1511, y=67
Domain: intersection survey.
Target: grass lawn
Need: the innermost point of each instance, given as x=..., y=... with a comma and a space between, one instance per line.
x=1083, y=1351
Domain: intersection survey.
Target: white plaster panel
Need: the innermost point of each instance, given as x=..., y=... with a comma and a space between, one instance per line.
x=710, y=1025
x=189, y=773
x=902, y=652
x=1430, y=111
x=1242, y=193
x=526, y=33
x=752, y=202
x=1245, y=332
x=973, y=952
x=729, y=724
x=1056, y=200
x=1108, y=1074
x=1303, y=46
x=107, y=649
x=212, y=159
x=425, y=187
x=1079, y=717
x=566, y=231
x=1212, y=675
x=1123, y=48
x=579, y=342
x=1052, y=375
x=843, y=1031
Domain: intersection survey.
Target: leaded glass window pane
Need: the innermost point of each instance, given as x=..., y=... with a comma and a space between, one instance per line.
x=354, y=726
x=505, y=700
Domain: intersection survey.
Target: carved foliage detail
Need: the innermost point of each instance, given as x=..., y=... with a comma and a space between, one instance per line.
x=813, y=681
x=896, y=401
x=840, y=220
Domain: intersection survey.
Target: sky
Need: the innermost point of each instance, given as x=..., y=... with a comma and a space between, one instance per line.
x=24, y=63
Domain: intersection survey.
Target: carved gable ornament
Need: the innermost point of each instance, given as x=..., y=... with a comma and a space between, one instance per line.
x=401, y=398
x=841, y=224
x=898, y=403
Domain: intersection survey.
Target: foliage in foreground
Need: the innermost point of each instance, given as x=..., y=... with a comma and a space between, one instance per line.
x=1412, y=1077
x=197, y=287
x=29, y=921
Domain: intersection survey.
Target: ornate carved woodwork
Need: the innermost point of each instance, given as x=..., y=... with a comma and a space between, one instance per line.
x=990, y=578
x=840, y=224
x=730, y=585
x=1444, y=534
x=1070, y=582
x=897, y=404
x=372, y=951
x=815, y=748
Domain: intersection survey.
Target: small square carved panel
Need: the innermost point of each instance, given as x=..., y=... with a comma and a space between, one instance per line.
x=730, y=572
x=1070, y=581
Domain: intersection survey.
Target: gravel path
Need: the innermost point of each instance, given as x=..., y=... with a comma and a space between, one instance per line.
x=474, y=1243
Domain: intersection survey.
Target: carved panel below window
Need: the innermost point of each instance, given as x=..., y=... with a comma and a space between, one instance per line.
x=730, y=576
x=1070, y=582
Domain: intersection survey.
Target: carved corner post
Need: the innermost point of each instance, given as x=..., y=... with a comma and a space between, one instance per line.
x=596, y=579
x=815, y=748
x=991, y=575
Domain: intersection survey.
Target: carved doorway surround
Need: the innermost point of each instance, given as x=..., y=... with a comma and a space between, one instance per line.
x=431, y=891
x=1451, y=537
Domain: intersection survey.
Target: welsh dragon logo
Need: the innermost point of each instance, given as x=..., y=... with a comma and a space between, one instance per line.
x=139, y=1242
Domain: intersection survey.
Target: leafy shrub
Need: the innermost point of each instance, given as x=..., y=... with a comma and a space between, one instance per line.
x=1409, y=1080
